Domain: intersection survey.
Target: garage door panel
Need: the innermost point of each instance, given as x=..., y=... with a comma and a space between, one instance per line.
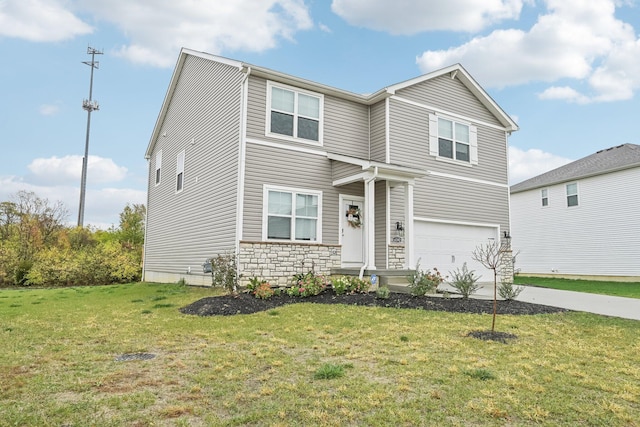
x=448, y=246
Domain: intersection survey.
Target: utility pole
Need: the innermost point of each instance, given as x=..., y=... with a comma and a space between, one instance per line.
x=89, y=105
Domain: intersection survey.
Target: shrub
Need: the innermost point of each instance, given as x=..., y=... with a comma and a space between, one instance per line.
x=254, y=283
x=509, y=291
x=383, y=292
x=224, y=272
x=421, y=282
x=264, y=291
x=350, y=285
x=464, y=281
x=340, y=285
x=306, y=285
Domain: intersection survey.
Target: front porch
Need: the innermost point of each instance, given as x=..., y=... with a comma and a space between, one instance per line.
x=395, y=280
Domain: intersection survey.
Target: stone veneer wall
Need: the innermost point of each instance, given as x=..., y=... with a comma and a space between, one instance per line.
x=277, y=262
x=396, y=257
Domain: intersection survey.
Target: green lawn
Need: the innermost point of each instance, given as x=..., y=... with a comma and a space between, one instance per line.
x=303, y=364
x=620, y=289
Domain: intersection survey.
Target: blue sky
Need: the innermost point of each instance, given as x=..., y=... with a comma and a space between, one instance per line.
x=568, y=71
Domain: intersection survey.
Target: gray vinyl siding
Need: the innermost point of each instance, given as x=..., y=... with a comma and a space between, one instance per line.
x=183, y=229
x=378, y=132
x=396, y=211
x=457, y=200
x=345, y=126
x=275, y=166
x=342, y=170
x=381, y=221
x=448, y=94
x=409, y=146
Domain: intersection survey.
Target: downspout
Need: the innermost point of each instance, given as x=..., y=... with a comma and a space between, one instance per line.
x=366, y=182
x=244, y=89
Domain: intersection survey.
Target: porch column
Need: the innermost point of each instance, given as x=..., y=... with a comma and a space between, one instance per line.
x=370, y=222
x=409, y=262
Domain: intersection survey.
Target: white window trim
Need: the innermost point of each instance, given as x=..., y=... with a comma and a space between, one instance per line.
x=157, y=177
x=296, y=91
x=265, y=212
x=543, y=196
x=180, y=170
x=434, y=145
x=567, y=195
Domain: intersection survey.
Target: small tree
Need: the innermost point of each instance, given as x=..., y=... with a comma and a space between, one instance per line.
x=490, y=256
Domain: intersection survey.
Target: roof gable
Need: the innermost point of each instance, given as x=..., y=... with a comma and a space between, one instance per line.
x=609, y=160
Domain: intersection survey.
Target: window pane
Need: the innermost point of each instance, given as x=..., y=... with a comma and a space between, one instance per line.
x=308, y=106
x=445, y=148
x=462, y=133
x=279, y=203
x=307, y=129
x=157, y=176
x=445, y=129
x=572, y=189
x=281, y=123
x=306, y=229
x=282, y=100
x=179, y=182
x=462, y=152
x=545, y=202
x=279, y=228
x=307, y=205
x=572, y=200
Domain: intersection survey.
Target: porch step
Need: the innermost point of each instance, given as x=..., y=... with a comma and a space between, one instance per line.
x=395, y=280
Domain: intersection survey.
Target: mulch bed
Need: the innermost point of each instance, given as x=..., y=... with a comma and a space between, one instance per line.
x=244, y=303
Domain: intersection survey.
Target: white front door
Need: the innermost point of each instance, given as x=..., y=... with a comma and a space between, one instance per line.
x=352, y=230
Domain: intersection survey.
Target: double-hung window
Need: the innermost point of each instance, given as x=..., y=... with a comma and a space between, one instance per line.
x=292, y=214
x=544, y=193
x=452, y=140
x=180, y=172
x=572, y=194
x=158, y=166
x=293, y=113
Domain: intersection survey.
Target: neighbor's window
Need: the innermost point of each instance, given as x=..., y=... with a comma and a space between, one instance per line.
x=158, y=166
x=293, y=113
x=449, y=139
x=292, y=214
x=180, y=172
x=572, y=194
x=545, y=197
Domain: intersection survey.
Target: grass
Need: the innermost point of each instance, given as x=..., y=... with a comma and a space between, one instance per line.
x=620, y=289
x=395, y=367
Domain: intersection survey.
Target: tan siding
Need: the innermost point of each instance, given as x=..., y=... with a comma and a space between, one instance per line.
x=342, y=170
x=378, y=134
x=185, y=228
x=381, y=222
x=396, y=200
x=274, y=166
x=449, y=95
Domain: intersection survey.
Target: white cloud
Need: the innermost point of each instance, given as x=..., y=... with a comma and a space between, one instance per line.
x=49, y=109
x=40, y=21
x=414, y=16
x=102, y=206
x=158, y=32
x=575, y=39
x=68, y=169
x=527, y=164
x=324, y=28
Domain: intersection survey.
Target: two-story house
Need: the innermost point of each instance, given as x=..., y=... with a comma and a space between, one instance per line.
x=288, y=173
x=581, y=220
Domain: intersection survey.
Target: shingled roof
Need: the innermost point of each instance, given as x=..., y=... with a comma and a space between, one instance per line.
x=604, y=161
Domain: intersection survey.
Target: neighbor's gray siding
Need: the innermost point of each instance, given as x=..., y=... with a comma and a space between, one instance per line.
x=345, y=128
x=287, y=168
x=185, y=228
x=378, y=132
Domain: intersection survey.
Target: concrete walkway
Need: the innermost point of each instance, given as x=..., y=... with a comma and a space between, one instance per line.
x=627, y=308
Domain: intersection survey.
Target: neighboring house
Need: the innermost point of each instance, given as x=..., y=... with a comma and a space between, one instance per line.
x=581, y=220
x=291, y=175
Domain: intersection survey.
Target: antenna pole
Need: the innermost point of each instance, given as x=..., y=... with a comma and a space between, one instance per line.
x=89, y=105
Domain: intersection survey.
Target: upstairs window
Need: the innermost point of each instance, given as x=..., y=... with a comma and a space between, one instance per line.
x=158, y=166
x=572, y=194
x=545, y=197
x=452, y=140
x=180, y=172
x=294, y=114
x=292, y=214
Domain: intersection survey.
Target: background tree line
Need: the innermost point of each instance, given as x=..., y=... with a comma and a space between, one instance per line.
x=38, y=249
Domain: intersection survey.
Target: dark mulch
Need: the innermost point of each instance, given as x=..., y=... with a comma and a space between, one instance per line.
x=246, y=304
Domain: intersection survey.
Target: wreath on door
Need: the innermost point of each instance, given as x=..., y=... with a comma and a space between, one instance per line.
x=354, y=216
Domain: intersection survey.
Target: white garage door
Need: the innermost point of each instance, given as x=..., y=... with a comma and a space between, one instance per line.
x=448, y=246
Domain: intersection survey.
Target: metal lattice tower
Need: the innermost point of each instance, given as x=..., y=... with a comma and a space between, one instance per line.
x=89, y=105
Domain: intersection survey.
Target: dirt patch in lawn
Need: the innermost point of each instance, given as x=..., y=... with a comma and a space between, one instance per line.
x=244, y=303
